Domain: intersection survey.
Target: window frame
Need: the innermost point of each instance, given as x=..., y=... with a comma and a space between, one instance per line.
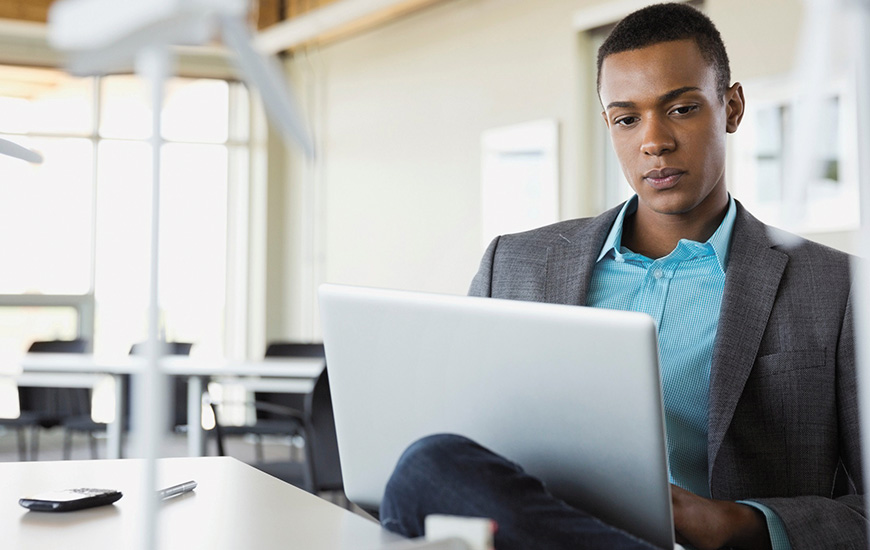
x=26, y=45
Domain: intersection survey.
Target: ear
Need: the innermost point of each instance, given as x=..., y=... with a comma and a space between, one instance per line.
x=735, y=106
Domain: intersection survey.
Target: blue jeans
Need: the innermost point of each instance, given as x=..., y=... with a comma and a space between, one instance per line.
x=450, y=474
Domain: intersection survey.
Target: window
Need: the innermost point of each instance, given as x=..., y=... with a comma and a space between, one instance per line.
x=76, y=230
x=828, y=200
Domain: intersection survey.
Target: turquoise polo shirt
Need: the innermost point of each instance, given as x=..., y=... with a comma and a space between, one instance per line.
x=682, y=292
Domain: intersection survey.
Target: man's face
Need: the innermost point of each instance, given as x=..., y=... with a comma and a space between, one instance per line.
x=668, y=125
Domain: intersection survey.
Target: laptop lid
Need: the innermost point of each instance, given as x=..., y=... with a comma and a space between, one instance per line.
x=570, y=393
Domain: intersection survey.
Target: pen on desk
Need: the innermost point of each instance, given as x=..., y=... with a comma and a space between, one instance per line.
x=181, y=488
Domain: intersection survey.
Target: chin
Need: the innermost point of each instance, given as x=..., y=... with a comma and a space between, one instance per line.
x=664, y=202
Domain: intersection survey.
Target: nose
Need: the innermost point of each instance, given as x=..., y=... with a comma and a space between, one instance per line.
x=657, y=138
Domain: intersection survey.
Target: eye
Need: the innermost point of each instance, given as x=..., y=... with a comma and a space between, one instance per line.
x=684, y=109
x=626, y=121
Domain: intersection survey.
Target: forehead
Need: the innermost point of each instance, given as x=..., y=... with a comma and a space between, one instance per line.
x=635, y=75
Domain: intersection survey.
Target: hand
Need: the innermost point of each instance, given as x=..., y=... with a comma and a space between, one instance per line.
x=710, y=524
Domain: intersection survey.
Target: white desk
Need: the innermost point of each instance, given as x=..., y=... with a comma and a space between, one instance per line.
x=234, y=506
x=300, y=370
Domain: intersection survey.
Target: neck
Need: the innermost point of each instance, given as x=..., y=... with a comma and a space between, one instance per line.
x=656, y=235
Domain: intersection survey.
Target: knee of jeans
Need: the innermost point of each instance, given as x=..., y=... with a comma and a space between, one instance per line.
x=434, y=449
x=428, y=457
x=425, y=463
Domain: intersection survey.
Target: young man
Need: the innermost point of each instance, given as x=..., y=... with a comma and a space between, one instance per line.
x=755, y=328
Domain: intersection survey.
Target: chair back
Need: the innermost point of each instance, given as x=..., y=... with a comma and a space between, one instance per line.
x=53, y=404
x=293, y=349
x=322, y=444
x=294, y=401
x=59, y=346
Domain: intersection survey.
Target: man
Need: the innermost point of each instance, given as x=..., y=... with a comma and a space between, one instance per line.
x=755, y=328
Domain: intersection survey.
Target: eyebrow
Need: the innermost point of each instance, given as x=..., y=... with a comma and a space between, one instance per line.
x=667, y=96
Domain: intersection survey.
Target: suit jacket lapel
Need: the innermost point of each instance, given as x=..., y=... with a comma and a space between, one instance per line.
x=752, y=279
x=570, y=261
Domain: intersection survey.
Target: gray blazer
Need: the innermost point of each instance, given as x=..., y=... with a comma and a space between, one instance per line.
x=782, y=418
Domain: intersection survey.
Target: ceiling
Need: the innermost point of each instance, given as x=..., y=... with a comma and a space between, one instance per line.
x=266, y=12
x=28, y=82
x=270, y=12
x=283, y=25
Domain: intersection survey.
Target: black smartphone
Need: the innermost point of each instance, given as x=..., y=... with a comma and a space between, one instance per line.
x=70, y=499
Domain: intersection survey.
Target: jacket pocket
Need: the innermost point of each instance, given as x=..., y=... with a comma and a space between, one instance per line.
x=787, y=361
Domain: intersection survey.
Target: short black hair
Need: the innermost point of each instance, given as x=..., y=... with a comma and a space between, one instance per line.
x=665, y=23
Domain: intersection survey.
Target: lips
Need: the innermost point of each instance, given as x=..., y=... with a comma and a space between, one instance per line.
x=664, y=178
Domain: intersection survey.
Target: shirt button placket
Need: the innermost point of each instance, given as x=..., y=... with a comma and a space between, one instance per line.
x=658, y=292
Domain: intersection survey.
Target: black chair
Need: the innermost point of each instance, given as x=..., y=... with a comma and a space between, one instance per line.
x=321, y=469
x=83, y=423
x=277, y=414
x=47, y=407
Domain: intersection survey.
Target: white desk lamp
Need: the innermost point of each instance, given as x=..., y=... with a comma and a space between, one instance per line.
x=105, y=35
x=102, y=36
x=14, y=150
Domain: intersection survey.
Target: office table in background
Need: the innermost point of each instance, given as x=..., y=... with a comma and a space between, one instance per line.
x=234, y=506
x=287, y=374
x=290, y=374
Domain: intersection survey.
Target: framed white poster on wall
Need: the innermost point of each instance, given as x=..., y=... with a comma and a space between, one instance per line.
x=520, y=178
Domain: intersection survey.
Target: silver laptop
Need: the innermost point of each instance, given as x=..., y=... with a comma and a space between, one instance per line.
x=570, y=393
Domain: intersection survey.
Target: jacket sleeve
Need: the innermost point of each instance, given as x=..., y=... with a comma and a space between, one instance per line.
x=481, y=285
x=840, y=522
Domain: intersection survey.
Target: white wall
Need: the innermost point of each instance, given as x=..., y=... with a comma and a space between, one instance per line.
x=399, y=113
x=403, y=108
